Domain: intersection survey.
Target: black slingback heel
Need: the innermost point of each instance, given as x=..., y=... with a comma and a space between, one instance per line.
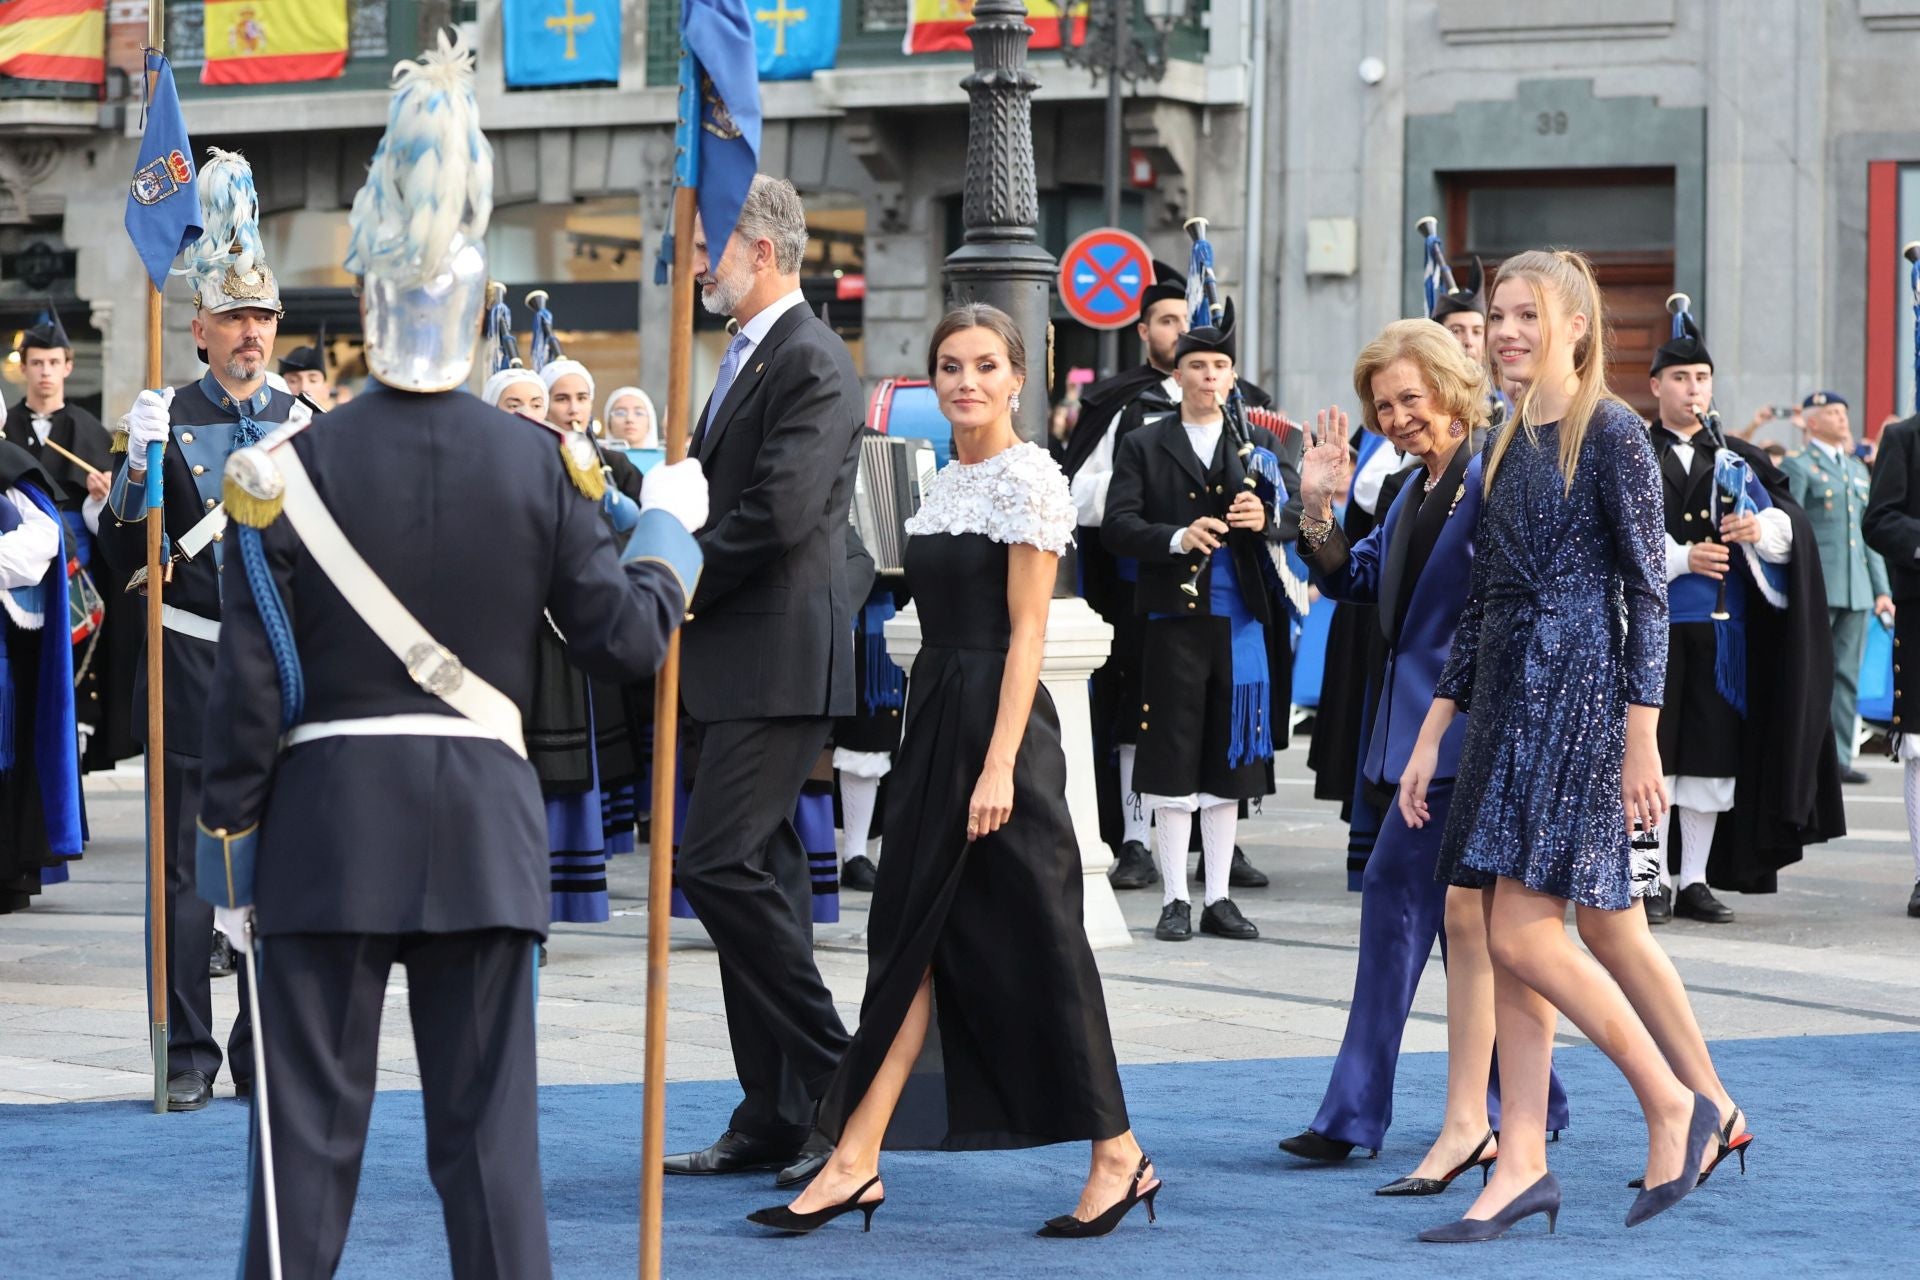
x=781, y=1218
x=1068, y=1227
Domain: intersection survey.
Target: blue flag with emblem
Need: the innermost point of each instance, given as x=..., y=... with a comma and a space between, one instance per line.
x=719, y=111
x=795, y=38
x=561, y=41
x=163, y=208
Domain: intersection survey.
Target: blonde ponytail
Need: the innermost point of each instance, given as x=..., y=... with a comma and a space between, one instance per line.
x=1568, y=277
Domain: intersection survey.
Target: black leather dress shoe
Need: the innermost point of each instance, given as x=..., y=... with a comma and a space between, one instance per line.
x=1659, y=905
x=220, y=958
x=733, y=1153
x=1223, y=920
x=1318, y=1148
x=859, y=873
x=1133, y=867
x=1913, y=903
x=188, y=1090
x=813, y=1158
x=1696, y=902
x=1176, y=922
x=1243, y=874
x=1853, y=777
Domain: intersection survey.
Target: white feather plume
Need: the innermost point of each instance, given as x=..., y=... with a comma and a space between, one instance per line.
x=229, y=218
x=432, y=176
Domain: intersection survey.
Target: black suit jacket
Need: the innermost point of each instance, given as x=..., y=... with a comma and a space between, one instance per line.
x=1891, y=524
x=772, y=626
x=467, y=514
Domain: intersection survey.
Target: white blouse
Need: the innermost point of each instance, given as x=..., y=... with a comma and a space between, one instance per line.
x=1018, y=495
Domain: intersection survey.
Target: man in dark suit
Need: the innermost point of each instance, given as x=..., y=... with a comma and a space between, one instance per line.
x=769, y=663
x=368, y=798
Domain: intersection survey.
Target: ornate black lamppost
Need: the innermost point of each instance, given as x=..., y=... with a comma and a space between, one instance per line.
x=1001, y=261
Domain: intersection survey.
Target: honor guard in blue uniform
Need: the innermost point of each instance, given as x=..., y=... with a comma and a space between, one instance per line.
x=1830, y=483
x=237, y=314
x=368, y=797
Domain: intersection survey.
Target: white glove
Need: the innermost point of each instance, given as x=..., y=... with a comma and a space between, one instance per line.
x=680, y=490
x=148, y=422
x=237, y=924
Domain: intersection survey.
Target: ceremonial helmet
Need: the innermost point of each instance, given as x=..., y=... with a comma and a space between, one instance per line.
x=227, y=264
x=418, y=226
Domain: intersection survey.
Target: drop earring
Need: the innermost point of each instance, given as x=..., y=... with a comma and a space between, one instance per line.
x=1013, y=403
x=1458, y=429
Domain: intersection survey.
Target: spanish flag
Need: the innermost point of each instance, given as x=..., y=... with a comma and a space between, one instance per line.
x=270, y=41
x=54, y=40
x=940, y=26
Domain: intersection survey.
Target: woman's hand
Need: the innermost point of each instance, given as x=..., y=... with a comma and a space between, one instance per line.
x=1414, y=780
x=992, y=802
x=1643, y=788
x=1326, y=464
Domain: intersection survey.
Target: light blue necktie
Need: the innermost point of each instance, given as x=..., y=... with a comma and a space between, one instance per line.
x=729, y=370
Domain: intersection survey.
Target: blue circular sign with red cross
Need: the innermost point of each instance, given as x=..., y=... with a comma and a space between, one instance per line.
x=1103, y=276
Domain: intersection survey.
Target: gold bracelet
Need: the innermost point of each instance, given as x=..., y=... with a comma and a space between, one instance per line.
x=1314, y=532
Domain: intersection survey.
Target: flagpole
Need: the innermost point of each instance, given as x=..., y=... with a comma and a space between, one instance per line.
x=666, y=702
x=156, y=703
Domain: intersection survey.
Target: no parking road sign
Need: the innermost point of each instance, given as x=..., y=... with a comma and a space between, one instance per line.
x=1102, y=277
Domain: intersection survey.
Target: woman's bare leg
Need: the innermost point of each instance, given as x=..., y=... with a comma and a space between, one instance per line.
x=1624, y=945
x=1470, y=1018
x=1524, y=1024
x=856, y=1157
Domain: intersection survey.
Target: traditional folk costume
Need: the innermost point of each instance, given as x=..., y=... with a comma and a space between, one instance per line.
x=42, y=817
x=373, y=804
x=104, y=656
x=1892, y=528
x=864, y=742
x=1740, y=690
x=1212, y=637
x=208, y=424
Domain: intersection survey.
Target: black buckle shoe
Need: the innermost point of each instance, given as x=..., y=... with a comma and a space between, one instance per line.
x=1223, y=920
x=220, y=958
x=1913, y=903
x=1659, y=905
x=1133, y=867
x=859, y=873
x=1176, y=922
x=733, y=1153
x=1318, y=1148
x=1696, y=902
x=188, y=1090
x=1243, y=874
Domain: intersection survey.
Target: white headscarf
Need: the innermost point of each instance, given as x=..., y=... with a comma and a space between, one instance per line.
x=558, y=369
x=497, y=385
x=653, y=419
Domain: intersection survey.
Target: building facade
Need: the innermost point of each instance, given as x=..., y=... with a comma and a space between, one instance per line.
x=1762, y=155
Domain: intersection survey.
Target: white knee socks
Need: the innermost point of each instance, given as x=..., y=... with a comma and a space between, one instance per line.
x=1218, y=825
x=857, y=797
x=1172, y=830
x=1910, y=772
x=1133, y=813
x=1696, y=842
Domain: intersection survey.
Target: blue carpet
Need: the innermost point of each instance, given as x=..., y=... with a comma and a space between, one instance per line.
x=109, y=1189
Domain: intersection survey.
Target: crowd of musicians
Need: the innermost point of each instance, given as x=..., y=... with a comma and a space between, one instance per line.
x=1575, y=656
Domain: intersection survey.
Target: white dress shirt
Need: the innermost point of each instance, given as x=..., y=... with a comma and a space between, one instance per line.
x=26, y=552
x=1204, y=439
x=755, y=330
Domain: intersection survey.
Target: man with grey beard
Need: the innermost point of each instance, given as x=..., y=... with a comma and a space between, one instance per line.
x=768, y=664
x=237, y=314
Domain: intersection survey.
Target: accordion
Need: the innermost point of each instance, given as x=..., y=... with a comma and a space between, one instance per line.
x=887, y=487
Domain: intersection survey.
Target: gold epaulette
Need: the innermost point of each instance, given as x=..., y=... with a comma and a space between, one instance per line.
x=119, y=444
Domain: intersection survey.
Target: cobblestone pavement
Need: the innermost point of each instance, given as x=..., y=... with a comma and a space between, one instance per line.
x=1832, y=953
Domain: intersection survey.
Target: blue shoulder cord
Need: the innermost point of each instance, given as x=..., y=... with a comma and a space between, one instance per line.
x=273, y=616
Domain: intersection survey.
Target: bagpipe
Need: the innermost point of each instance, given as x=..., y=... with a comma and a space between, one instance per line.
x=1260, y=466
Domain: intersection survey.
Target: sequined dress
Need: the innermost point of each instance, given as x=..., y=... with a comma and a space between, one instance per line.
x=1566, y=626
x=1019, y=1053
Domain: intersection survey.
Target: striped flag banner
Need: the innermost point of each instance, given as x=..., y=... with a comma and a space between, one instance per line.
x=940, y=26
x=273, y=41
x=54, y=40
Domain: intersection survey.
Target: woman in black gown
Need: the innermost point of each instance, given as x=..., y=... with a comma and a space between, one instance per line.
x=984, y=1026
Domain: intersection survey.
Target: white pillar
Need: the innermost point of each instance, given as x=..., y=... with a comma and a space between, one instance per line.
x=1078, y=641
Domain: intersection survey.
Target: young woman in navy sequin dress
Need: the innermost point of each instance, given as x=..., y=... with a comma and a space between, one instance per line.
x=1561, y=655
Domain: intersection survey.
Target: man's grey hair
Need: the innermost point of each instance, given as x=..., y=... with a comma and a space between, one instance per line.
x=773, y=212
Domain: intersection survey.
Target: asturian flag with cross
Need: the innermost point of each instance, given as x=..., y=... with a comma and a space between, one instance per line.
x=551, y=42
x=795, y=38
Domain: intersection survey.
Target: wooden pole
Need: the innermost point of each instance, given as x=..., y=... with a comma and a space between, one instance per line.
x=666, y=725
x=156, y=701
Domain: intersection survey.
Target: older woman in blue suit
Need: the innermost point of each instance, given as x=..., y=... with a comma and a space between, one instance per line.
x=1423, y=393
